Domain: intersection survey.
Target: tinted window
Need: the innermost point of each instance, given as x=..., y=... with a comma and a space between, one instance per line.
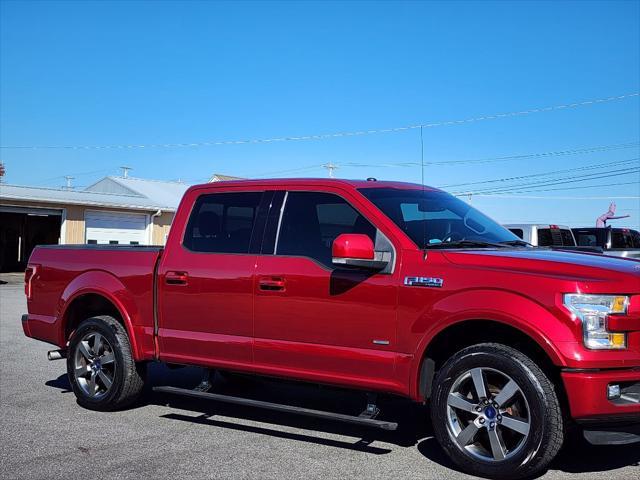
x=587, y=240
x=222, y=222
x=311, y=221
x=635, y=237
x=567, y=238
x=544, y=237
x=432, y=218
x=621, y=239
x=269, y=240
x=591, y=237
x=555, y=237
x=517, y=231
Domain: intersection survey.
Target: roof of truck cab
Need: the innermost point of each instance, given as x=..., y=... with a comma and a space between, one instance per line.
x=319, y=182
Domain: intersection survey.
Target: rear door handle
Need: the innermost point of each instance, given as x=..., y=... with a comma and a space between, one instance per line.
x=271, y=284
x=176, y=278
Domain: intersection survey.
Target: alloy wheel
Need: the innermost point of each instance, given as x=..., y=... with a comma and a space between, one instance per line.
x=488, y=415
x=94, y=365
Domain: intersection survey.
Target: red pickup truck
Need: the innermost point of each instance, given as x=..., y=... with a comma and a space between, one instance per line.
x=385, y=287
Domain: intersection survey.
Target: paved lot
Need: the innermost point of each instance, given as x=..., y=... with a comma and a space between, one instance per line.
x=45, y=434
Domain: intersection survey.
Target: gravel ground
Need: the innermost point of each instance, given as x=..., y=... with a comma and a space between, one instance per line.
x=45, y=434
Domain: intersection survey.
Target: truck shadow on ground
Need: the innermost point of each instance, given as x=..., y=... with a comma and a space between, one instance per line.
x=414, y=427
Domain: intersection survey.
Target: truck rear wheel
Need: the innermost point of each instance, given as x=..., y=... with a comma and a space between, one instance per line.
x=100, y=365
x=496, y=413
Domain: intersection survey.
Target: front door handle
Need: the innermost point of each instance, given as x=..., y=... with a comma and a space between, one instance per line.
x=176, y=278
x=271, y=284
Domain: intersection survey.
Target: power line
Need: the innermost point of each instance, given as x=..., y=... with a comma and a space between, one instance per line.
x=558, y=181
x=76, y=174
x=486, y=194
x=325, y=136
x=547, y=197
x=545, y=174
x=576, y=151
x=586, y=150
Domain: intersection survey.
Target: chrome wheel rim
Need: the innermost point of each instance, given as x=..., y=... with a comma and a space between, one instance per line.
x=488, y=415
x=94, y=365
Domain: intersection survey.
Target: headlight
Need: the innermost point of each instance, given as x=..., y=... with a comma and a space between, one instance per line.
x=593, y=310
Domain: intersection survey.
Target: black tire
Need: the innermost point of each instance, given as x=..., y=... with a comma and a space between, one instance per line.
x=127, y=377
x=532, y=452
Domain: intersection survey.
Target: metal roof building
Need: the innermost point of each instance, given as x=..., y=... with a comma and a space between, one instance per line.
x=114, y=210
x=163, y=194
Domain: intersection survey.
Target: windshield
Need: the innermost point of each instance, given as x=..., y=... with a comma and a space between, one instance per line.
x=432, y=218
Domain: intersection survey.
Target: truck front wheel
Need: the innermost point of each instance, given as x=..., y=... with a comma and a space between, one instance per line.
x=496, y=413
x=100, y=365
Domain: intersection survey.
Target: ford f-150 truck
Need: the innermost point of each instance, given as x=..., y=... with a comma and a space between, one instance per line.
x=385, y=287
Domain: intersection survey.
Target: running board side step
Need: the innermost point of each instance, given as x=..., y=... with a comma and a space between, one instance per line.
x=278, y=407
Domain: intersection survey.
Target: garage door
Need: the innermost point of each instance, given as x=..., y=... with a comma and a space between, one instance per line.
x=115, y=228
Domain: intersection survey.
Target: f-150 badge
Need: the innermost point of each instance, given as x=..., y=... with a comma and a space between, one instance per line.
x=423, y=282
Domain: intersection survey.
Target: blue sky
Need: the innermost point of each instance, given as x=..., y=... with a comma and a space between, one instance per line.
x=141, y=73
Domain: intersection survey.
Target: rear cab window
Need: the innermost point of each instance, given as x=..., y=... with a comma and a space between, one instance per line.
x=555, y=237
x=591, y=237
x=621, y=238
x=222, y=222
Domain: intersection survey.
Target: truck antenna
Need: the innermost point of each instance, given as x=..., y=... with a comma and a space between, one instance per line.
x=424, y=214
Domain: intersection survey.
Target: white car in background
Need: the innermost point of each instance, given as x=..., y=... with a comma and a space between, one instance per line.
x=543, y=235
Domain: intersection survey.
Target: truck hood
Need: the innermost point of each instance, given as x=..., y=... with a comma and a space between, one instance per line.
x=553, y=263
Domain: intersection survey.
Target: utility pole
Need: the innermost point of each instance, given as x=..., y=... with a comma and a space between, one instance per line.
x=125, y=171
x=68, y=178
x=330, y=167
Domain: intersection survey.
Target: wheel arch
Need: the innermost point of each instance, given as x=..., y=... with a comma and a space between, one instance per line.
x=457, y=335
x=97, y=293
x=514, y=316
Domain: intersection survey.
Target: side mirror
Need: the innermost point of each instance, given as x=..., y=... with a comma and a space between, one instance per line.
x=356, y=250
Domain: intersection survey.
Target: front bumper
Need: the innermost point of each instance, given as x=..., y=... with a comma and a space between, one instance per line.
x=587, y=392
x=606, y=421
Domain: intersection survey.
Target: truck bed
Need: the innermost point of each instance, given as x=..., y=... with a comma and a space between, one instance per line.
x=124, y=273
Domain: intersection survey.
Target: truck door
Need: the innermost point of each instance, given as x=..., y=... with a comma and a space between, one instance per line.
x=316, y=321
x=205, y=280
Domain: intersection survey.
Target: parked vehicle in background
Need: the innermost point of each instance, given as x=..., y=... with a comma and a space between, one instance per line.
x=384, y=287
x=543, y=235
x=621, y=242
